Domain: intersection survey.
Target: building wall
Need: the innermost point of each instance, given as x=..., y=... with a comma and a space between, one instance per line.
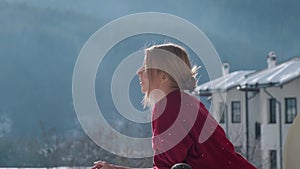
x=236, y=130
x=255, y=155
x=270, y=132
x=291, y=89
x=230, y=128
x=258, y=113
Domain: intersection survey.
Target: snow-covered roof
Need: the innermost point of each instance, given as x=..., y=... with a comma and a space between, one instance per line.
x=275, y=76
x=223, y=83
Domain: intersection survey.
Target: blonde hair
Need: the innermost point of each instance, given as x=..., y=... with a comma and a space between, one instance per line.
x=173, y=60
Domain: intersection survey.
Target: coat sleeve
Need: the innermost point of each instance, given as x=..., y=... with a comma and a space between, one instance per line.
x=170, y=142
x=177, y=154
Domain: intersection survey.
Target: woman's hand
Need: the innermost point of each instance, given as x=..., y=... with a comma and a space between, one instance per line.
x=102, y=165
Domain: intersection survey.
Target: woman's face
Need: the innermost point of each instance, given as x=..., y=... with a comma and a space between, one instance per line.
x=143, y=78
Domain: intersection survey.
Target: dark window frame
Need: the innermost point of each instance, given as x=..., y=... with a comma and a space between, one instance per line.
x=272, y=111
x=294, y=114
x=223, y=112
x=273, y=159
x=236, y=112
x=257, y=130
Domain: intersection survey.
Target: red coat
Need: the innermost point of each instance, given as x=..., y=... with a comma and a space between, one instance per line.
x=177, y=121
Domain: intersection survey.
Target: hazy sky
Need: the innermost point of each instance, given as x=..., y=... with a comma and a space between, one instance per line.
x=259, y=26
x=38, y=37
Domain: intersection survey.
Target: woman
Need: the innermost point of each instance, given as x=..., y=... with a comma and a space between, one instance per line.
x=178, y=118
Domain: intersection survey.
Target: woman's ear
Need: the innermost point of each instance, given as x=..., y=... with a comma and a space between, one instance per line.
x=163, y=76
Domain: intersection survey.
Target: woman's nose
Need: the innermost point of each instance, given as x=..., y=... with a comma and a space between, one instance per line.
x=139, y=71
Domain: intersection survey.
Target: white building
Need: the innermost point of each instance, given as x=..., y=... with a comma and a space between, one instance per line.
x=259, y=107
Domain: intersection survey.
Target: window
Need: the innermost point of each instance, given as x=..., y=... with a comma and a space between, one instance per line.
x=273, y=159
x=272, y=111
x=223, y=112
x=257, y=130
x=236, y=111
x=290, y=109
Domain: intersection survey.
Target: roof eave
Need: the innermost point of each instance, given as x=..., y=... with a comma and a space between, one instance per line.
x=257, y=86
x=209, y=92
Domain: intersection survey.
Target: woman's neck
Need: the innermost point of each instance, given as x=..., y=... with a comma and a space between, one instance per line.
x=158, y=94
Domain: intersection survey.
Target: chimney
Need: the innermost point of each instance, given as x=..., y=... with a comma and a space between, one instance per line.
x=225, y=68
x=271, y=59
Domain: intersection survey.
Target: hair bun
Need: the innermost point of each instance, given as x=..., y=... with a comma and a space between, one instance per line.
x=189, y=83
